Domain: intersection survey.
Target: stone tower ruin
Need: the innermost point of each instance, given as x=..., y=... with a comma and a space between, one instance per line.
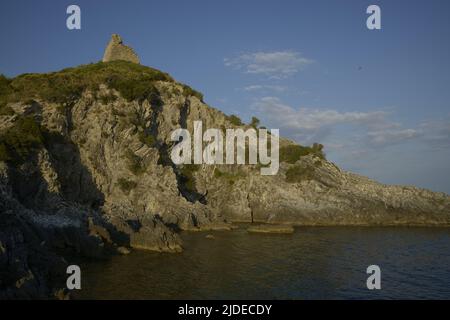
x=116, y=50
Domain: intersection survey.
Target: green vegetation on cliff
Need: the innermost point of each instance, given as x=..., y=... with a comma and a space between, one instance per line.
x=133, y=81
x=231, y=177
x=4, y=91
x=147, y=139
x=235, y=120
x=299, y=173
x=126, y=185
x=187, y=173
x=18, y=142
x=291, y=153
x=188, y=91
x=255, y=123
x=135, y=164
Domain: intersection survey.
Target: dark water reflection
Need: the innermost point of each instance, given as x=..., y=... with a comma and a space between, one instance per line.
x=312, y=263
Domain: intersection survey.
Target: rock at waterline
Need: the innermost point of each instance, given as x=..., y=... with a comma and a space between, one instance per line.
x=270, y=228
x=123, y=250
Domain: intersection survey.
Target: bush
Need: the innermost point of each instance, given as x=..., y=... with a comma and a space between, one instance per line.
x=187, y=175
x=230, y=177
x=21, y=140
x=136, y=89
x=4, y=84
x=6, y=111
x=317, y=147
x=4, y=154
x=5, y=90
x=147, y=139
x=108, y=98
x=298, y=173
x=134, y=163
x=188, y=91
x=235, y=120
x=292, y=153
x=126, y=185
x=255, y=122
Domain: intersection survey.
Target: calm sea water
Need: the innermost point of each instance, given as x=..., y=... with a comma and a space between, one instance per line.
x=312, y=263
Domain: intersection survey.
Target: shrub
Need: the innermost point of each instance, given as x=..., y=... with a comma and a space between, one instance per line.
x=255, y=122
x=29, y=102
x=4, y=84
x=6, y=111
x=19, y=141
x=298, y=173
x=134, y=118
x=235, y=120
x=118, y=113
x=317, y=163
x=147, y=139
x=108, y=98
x=5, y=87
x=134, y=163
x=136, y=89
x=291, y=153
x=188, y=91
x=5, y=90
x=126, y=185
x=4, y=154
x=227, y=176
x=187, y=175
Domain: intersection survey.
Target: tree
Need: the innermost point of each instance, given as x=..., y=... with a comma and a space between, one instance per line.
x=317, y=146
x=255, y=122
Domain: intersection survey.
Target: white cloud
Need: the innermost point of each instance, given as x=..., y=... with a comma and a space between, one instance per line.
x=307, y=123
x=437, y=133
x=388, y=137
x=259, y=87
x=364, y=129
x=278, y=65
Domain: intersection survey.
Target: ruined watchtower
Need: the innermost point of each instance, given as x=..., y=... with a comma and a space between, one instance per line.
x=116, y=50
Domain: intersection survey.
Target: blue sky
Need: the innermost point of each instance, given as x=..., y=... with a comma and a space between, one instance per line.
x=377, y=99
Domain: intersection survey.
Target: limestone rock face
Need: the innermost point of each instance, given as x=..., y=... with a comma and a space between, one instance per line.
x=116, y=50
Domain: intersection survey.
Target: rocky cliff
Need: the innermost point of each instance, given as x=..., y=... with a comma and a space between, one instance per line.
x=85, y=169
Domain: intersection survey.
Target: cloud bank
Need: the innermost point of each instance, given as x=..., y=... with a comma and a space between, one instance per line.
x=277, y=65
x=362, y=130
